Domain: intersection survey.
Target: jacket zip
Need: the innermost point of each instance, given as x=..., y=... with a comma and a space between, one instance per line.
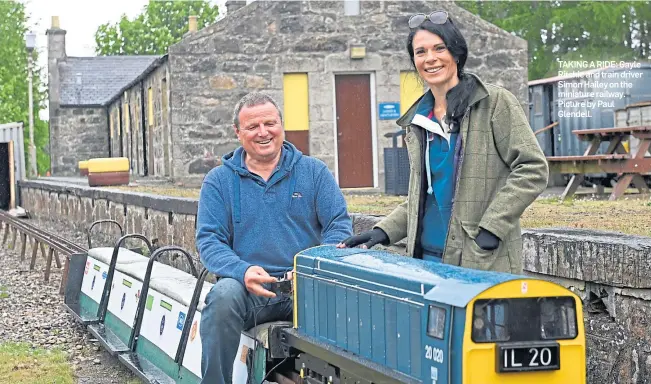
x=418, y=250
x=456, y=182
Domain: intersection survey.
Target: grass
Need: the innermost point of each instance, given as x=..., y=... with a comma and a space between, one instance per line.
x=3, y=292
x=19, y=364
x=192, y=193
x=631, y=214
x=373, y=204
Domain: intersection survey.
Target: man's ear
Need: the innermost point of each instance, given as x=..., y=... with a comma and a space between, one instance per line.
x=237, y=132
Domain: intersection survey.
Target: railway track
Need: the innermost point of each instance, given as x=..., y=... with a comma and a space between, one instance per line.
x=41, y=239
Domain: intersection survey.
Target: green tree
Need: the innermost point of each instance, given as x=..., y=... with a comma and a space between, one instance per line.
x=14, y=101
x=572, y=30
x=161, y=24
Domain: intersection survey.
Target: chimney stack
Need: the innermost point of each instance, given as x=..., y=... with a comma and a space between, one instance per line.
x=56, y=40
x=234, y=5
x=192, y=24
x=56, y=53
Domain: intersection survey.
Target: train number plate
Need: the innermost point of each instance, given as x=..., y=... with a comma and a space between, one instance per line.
x=533, y=357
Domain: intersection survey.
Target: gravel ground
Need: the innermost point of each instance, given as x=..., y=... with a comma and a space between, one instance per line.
x=32, y=312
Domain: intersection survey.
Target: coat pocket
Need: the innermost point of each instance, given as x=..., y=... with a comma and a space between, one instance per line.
x=473, y=256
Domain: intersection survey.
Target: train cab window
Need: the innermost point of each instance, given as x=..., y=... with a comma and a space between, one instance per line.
x=436, y=322
x=489, y=321
x=530, y=319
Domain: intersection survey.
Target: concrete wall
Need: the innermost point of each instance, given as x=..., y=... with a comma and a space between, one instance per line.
x=211, y=71
x=77, y=134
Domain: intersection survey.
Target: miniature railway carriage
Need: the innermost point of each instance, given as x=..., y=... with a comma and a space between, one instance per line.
x=360, y=316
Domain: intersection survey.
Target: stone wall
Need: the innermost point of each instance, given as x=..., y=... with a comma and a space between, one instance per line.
x=163, y=220
x=211, y=71
x=145, y=139
x=132, y=104
x=158, y=129
x=610, y=272
x=77, y=134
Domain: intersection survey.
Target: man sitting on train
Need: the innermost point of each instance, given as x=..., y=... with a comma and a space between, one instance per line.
x=266, y=203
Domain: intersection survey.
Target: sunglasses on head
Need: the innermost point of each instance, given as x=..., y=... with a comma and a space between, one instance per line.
x=436, y=17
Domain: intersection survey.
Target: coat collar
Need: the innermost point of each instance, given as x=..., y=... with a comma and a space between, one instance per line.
x=480, y=93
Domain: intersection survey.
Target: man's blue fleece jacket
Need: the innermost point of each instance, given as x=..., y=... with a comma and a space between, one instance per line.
x=244, y=221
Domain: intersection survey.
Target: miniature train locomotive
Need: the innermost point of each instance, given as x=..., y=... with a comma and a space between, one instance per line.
x=360, y=316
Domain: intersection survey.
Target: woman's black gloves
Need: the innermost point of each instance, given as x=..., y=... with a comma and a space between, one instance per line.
x=486, y=240
x=367, y=239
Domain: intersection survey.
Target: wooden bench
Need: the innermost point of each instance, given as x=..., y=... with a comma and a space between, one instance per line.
x=630, y=166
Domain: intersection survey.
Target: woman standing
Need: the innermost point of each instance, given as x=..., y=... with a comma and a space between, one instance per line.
x=475, y=163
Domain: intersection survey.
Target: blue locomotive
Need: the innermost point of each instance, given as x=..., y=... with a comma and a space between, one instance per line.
x=398, y=319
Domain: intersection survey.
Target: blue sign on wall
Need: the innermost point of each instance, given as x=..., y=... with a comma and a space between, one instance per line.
x=389, y=111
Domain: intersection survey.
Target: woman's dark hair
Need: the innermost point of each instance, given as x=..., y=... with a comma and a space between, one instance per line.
x=459, y=96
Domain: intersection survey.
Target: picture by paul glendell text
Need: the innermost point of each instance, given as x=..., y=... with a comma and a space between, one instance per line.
x=590, y=85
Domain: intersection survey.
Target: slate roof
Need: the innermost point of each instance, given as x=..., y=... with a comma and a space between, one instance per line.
x=101, y=77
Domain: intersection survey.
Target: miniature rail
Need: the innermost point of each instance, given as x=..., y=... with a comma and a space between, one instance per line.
x=40, y=238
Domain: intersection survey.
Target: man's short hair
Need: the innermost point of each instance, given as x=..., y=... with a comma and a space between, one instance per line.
x=250, y=100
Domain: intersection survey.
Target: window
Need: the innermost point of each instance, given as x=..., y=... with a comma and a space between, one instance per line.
x=150, y=106
x=125, y=111
x=530, y=319
x=436, y=322
x=351, y=7
x=111, y=124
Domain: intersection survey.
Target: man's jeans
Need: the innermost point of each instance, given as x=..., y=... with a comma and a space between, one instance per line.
x=229, y=310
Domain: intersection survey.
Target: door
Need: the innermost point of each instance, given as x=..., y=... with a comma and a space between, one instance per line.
x=354, y=132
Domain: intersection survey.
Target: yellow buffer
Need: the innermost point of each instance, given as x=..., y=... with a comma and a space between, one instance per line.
x=83, y=164
x=108, y=164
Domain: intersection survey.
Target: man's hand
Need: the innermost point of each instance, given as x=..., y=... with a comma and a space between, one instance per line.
x=254, y=277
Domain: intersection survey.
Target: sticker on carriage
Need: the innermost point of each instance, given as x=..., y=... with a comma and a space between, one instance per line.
x=181, y=321
x=434, y=374
x=524, y=287
x=150, y=302
x=434, y=354
x=193, y=331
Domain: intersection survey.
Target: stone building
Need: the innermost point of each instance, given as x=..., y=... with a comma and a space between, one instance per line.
x=80, y=90
x=339, y=70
